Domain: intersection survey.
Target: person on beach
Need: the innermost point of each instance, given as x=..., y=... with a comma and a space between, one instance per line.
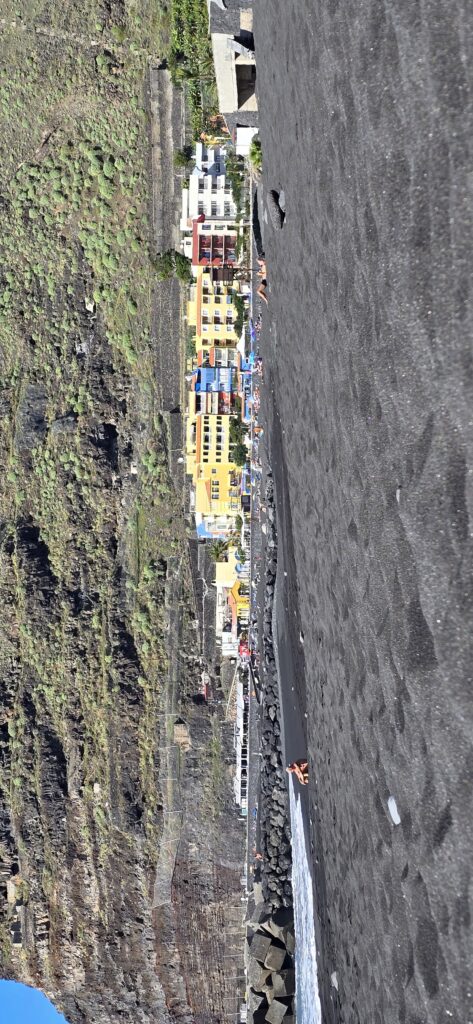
x=261, y=289
x=301, y=770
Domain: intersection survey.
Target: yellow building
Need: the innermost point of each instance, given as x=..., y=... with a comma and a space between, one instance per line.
x=216, y=479
x=239, y=597
x=233, y=598
x=212, y=312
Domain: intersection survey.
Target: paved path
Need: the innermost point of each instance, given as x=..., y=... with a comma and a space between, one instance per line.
x=366, y=121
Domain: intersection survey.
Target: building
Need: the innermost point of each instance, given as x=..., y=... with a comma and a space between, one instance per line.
x=243, y=136
x=231, y=33
x=215, y=478
x=233, y=601
x=208, y=192
x=210, y=526
x=214, y=243
x=244, y=385
x=212, y=312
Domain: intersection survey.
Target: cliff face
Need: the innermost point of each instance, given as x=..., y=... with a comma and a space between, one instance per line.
x=120, y=848
x=83, y=659
x=97, y=643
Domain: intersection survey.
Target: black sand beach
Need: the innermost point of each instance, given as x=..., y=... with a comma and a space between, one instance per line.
x=366, y=122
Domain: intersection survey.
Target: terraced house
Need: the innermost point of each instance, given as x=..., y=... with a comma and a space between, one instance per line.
x=215, y=479
x=212, y=314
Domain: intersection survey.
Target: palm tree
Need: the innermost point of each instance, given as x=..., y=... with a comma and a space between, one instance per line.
x=218, y=549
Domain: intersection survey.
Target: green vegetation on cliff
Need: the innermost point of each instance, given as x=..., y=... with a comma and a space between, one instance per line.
x=88, y=514
x=190, y=59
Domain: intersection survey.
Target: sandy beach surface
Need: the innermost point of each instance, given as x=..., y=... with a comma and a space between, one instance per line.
x=366, y=123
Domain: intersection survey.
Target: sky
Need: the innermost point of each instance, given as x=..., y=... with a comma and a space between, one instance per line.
x=22, y=1005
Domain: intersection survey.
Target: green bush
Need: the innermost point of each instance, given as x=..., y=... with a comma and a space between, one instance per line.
x=255, y=154
x=239, y=454
x=172, y=264
x=181, y=158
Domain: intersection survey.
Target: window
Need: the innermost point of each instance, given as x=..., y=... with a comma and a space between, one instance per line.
x=200, y=208
x=217, y=168
x=201, y=186
x=213, y=210
x=227, y=209
x=205, y=328
x=229, y=328
x=229, y=300
x=205, y=299
x=214, y=472
x=216, y=327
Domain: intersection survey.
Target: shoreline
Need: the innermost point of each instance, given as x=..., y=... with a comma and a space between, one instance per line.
x=291, y=672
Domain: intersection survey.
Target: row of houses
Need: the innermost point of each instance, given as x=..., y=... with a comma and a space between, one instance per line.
x=218, y=377
x=219, y=367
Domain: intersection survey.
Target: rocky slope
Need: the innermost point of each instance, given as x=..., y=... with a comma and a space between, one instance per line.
x=97, y=638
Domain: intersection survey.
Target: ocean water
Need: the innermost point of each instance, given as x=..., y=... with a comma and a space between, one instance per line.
x=308, y=1009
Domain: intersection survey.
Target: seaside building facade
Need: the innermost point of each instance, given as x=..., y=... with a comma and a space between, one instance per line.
x=208, y=228
x=215, y=478
x=212, y=313
x=219, y=386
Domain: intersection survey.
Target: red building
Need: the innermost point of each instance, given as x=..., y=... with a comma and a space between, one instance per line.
x=213, y=243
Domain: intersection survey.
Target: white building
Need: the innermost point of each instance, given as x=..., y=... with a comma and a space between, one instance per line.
x=208, y=194
x=244, y=135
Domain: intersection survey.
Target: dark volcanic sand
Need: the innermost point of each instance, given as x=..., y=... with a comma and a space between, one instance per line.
x=365, y=115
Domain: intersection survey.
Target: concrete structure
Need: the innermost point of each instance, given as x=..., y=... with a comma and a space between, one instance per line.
x=231, y=33
x=243, y=137
x=240, y=780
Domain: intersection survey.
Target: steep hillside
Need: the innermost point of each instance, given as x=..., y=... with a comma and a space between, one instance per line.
x=88, y=515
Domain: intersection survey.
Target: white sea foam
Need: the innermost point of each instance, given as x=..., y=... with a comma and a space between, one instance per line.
x=308, y=1009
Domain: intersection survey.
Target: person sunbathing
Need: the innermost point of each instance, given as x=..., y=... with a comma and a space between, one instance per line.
x=301, y=770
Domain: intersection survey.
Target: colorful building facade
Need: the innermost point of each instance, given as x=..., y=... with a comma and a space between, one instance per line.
x=211, y=311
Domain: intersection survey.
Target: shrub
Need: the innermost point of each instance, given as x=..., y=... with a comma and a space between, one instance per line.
x=239, y=454
x=172, y=264
x=181, y=158
x=255, y=154
x=239, y=304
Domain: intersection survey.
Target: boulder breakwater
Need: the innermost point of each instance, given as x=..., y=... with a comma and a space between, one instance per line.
x=269, y=950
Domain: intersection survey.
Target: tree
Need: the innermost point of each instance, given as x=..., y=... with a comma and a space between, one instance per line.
x=239, y=454
x=237, y=430
x=218, y=549
x=182, y=268
x=172, y=264
x=181, y=158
